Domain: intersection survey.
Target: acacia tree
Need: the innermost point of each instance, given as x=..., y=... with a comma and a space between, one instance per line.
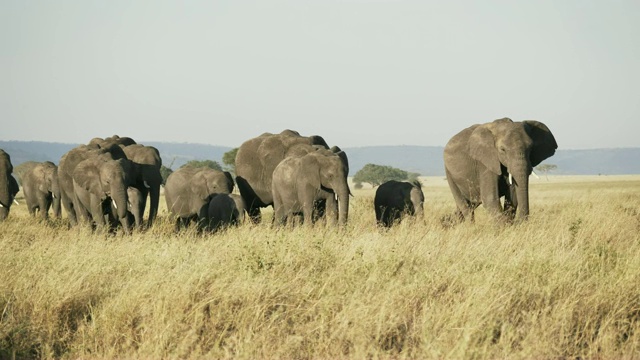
x=229, y=160
x=203, y=163
x=378, y=174
x=546, y=169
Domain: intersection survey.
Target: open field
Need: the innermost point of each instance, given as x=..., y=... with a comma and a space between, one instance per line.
x=565, y=284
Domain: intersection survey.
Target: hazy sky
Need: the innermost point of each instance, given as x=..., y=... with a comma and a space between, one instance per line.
x=358, y=73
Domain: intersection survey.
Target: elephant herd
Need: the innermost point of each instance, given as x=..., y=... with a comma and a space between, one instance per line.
x=106, y=182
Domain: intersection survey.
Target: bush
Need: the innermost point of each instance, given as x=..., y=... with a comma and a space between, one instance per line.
x=379, y=174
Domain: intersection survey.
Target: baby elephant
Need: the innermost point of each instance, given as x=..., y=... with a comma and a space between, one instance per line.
x=224, y=210
x=395, y=198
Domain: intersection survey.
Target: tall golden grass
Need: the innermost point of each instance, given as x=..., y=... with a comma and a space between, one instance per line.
x=565, y=284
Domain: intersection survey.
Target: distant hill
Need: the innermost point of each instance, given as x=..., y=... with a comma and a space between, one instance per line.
x=426, y=160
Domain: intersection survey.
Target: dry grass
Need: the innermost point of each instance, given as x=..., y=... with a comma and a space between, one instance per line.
x=563, y=285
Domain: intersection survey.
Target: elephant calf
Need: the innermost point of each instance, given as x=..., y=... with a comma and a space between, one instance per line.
x=224, y=210
x=188, y=191
x=394, y=199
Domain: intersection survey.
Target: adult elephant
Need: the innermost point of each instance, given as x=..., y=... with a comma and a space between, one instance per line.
x=300, y=182
x=100, y=182
x=188, y=190
x=394, y=199
x=258, y=157
x=67, y=165
x=147, y=179
x=8, y=185
x=41, y=188
x=485, y=162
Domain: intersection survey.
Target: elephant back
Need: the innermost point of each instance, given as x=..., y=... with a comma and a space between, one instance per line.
x=257, y=158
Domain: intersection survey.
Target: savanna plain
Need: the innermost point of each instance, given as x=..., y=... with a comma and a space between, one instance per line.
x=564, y=284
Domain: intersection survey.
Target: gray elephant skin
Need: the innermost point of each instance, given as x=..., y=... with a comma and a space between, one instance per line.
x=41, y=188
x=99, y=183
x=224, y=210
x=300, y=182
x=66, y=168
x=188, y=190
x=147, y=179
x=257, y=158
x=395, y=199
x=8, y=185
x=485, y=162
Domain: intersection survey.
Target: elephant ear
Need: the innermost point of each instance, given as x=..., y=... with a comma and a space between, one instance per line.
x=343, y=156
x=544, y=143
x=482, y=148
x=230, y=181
x=87, y=176
x=40, y=175
x=198, y=185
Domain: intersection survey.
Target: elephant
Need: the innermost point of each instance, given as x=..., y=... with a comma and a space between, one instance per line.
x=8, y=185
x=300, y=182
x=67, y=165
x=41, y=188
x=134, y=197
x=188, y=190
x=258, y=157
x=485, y=162
x=115, y=139
x=394, y=199
x=224, y=210
x=100, y=182
x=147, y=179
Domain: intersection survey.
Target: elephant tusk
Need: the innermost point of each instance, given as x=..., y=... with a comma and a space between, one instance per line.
x=1, y=206
x=54, y=195
x=534, y=174
x=114, y=204
x=146, y=185
x=129, y=204
x=16, y=201
x=510, y=179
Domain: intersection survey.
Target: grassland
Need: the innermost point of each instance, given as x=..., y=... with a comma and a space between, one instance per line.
x=565, y=284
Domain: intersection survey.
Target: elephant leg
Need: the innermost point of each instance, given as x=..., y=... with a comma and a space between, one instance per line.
x=254, y=214
x=331, y=206
x=464, y=206
x=307, y=211
x=67, y=203
x=510, y=203
x=43, y=208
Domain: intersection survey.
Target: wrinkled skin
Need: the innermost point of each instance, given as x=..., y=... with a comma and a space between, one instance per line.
x=479, y=159
x=8, y=185
x=147, y=179
x=66, y=167
x=394, y=199
x=300, y=182
x=188, y=190
x=99, y=183
x=41, y=188
x=258, y=157
x=224, y=210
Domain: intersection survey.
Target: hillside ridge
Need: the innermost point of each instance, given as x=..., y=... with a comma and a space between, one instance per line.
x=426, y=160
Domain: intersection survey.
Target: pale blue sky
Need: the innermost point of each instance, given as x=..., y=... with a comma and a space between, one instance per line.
x=358, y=73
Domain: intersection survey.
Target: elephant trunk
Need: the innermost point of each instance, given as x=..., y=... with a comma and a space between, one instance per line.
x=343, y=203
x=154, y=195
x=520, y=174
x=120, y=199
x=5, y=199
x=56, y=206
